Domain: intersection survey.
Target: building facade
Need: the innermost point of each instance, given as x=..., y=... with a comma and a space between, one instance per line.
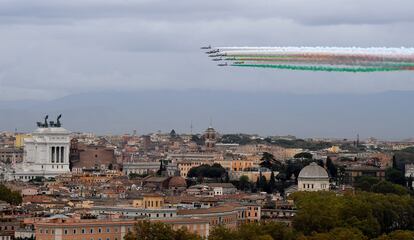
x=46, y=153
x=313, y=178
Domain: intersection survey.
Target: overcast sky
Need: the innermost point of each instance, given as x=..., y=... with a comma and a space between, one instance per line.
x=53, y=48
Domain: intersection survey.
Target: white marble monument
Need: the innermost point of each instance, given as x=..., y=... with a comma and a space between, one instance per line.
x=46, y=153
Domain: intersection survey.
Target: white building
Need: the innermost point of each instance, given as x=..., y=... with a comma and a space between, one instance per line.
x=409, y=170
x=46, y=153
x=313, y=178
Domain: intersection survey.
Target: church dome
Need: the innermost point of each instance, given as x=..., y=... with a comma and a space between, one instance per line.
x=313, y=170
x=177, y=182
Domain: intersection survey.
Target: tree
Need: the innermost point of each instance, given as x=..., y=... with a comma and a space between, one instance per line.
x=371, y=213
x=215, y=171
x=395, y=176
x=306, y=155
x=222, y=233
x=332, y=170
x=272, y=183
x=388, y=187
x=254, y=231
x=258, y=183
x=397, y=235
x=7, y=195
x=313, y=214
x=339, y=234
x=226, y=177
x=146, y=230
x=294, y=166
x=268, y=161
x=244, y=182
x=263, y=183
x=365, y=183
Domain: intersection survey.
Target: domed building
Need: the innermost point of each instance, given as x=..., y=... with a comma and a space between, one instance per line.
x=177, y=185
x=177, y=182
x=313, y=178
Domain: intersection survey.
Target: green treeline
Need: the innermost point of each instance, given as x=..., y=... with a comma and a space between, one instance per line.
x=146, y=230
x=207, y=171
x=327, y=216
x=369, y=214
x=320, y=216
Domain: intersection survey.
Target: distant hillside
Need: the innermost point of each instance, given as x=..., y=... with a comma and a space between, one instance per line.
x=383, y=115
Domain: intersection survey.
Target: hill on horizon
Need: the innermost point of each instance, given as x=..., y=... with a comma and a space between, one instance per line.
x=385, y=115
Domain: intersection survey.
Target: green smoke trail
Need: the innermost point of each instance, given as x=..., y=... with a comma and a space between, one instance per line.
x=323, y=68
x=326, y=62
x=363, y=63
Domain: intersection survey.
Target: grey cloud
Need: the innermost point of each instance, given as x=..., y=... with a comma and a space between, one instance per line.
x=55, y=48
x=318, y=12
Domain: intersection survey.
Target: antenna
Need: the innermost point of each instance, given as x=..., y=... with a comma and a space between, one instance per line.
x=357, y=143
x=191, y=128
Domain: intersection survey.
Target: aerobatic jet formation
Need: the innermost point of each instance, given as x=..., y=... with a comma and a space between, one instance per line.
x=329, y=59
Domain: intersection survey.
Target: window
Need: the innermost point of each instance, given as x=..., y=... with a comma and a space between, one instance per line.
x=66, y=232
x=83, y=231
x=91, y=231
x=99, y=230
x=74, y=231
x=107, y=230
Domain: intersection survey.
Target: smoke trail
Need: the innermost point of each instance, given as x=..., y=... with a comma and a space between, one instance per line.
x=331, y=59
x=322, y=68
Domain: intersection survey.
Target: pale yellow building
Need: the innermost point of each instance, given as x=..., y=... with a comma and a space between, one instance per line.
x=150, y=201
x=19, y=139
x=237, y=164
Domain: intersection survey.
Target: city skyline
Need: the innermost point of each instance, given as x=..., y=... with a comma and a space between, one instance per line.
x=380, y=115
x=189, y=120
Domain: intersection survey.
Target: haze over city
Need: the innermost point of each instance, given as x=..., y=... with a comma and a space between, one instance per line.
x=58, y=49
